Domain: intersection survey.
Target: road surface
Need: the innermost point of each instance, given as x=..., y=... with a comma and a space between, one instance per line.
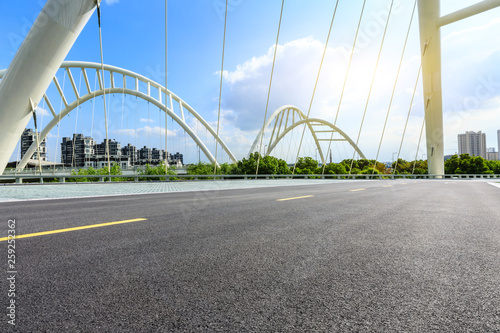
x=353, y=256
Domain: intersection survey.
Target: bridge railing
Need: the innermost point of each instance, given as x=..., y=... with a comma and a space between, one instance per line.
x=63, y=178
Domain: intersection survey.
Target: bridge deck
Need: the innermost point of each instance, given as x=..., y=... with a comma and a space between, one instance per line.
x=348, y=256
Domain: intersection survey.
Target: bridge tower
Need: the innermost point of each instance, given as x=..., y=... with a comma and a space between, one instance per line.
x=35, y=64
x=430, y=23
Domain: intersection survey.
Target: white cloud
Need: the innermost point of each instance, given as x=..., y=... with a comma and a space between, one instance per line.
x=42, y=112
x=296, y=69
x=111, y=2
x=147, y=120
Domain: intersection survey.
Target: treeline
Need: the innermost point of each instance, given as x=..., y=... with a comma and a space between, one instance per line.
x=116, y=171
x=270, y=165
x=466, y=164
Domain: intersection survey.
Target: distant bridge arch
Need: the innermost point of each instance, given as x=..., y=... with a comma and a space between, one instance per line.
x=289, y=117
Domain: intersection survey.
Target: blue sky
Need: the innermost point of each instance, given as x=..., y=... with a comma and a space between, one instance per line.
x=133, y=37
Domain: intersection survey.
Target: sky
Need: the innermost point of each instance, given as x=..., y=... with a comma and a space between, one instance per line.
x=134, y=39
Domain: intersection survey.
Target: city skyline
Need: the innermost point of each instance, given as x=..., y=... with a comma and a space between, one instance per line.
x=84, y=151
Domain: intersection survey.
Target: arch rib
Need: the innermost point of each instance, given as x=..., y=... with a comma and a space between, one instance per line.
x=169, y=96
x=309, y=122
x=115, y=90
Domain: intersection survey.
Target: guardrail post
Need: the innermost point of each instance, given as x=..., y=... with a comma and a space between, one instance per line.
x=102, y=180
x=19, y=180
x=62, y=180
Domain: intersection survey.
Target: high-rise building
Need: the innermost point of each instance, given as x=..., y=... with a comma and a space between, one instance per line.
x=157, y=155
x=492, y=154
x=176, y=158
x=82, y=151
x=115, y=148
x=75, y=152
x=472, y=143
x=27, y=139
x=145, y=155
x=130, y=151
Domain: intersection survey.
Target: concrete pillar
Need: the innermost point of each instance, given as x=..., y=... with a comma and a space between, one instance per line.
x=430, y=45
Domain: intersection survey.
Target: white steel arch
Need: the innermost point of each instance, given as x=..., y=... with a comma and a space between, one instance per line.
x=123, y=89
x=294, y=117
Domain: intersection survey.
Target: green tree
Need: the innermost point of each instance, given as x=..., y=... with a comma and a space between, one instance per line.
x=478, y=165
x=403, y=166
x=336, y=169
x=451, y=165
x=419, y=167
x=114, y=170
x=494, y=166
x=466, y=164
x=200, y=169
x=158, y=170
x=268, y=165
x=226, y=168
x=306, y=166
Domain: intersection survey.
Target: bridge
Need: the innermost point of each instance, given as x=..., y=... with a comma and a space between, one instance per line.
x=238, y=253
x=324, y=134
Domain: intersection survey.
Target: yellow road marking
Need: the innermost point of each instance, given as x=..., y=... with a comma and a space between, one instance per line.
x=387, y=186
x=286, y=199
x=72, y=229
x=403, y=183
x=359, y=189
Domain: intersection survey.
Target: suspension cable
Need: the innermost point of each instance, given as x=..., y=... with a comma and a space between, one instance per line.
x=315, y=85
x=418, y=146
x=103, y=88
x=394, y=87
x=345, y=79
x=37, y=139
x=93, y=109
x=270, y=83
x=59, y=121
x=76, y=121
x=407, y=118
x=220, y=87
x=371, y=85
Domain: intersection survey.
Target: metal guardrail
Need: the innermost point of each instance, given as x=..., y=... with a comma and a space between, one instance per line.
x=63, y=178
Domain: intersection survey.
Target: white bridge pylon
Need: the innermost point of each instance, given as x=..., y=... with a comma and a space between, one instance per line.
x=289, y=117
x=113, y=88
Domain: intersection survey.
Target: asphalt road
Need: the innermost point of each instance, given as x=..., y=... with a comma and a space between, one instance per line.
x=376, y=256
